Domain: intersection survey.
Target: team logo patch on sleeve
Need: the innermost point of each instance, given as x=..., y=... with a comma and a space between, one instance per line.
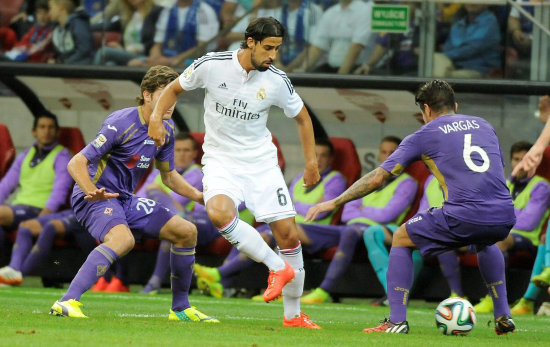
x=99, y=141
x=189, y=71
x=108, y=211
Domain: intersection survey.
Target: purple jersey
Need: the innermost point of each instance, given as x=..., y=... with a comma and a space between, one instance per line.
x=122, y=152
x=464, y=155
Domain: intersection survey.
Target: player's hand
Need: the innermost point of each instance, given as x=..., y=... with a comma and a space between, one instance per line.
x=100, y=194
x=311, y=176
x=156, y=131
x=314, y=211
x=44, y=211
x=544, y=108
x=200, y=198
x=529, y=163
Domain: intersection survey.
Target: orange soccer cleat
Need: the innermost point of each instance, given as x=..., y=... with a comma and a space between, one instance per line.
x=302, y=321
x=386, y=326
x=276, y=281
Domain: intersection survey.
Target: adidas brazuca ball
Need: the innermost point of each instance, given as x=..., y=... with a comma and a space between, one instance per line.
x=455, y=316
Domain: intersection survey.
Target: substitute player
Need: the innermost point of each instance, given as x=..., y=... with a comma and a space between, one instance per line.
x=464, y=155
x=106, y=173
x=240, y=161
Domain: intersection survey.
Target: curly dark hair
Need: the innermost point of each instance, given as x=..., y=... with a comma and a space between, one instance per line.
x=437, y=94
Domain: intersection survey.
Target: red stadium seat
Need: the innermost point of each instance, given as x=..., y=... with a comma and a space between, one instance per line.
x=346, y=159
x=72, y=139
x=199, y=137
x=7, y=150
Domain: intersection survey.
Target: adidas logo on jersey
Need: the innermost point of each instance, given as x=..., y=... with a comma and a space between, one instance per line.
x=222, y=86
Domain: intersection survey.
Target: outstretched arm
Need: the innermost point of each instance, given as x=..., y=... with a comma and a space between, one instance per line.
x=178, y=184
x=167, y=99
x=533, y=157
x=360, y=188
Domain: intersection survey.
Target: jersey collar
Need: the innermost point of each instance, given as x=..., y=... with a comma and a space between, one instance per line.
x=242, y=72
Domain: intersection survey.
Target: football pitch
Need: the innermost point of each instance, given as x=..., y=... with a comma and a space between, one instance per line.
x=133, y=319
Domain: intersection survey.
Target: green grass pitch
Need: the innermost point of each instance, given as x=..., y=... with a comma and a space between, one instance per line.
x=132, y=319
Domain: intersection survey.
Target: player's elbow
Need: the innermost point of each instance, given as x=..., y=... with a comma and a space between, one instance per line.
x=77, y=163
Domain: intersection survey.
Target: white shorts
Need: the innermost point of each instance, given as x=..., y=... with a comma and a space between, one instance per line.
x=263, y=190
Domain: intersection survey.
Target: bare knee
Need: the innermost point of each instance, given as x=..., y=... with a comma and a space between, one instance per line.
x=220, y=214
x=180, y=232
x=285, y=233
x=401, y=238
x=33, y=225
x=120, y=240
x=6, y=215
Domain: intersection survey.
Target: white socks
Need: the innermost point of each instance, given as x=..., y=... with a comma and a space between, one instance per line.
x=248, y=241
x=293, y=290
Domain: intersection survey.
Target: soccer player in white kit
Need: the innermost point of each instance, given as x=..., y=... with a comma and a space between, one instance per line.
x=240, y=160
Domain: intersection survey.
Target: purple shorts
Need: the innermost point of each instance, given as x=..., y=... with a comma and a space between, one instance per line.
x=43, y=220
x=144, y=217
x=22, y=213
x=206, y=230
x=434, y=232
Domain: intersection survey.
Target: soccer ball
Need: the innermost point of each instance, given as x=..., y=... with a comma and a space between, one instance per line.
x=455, y=316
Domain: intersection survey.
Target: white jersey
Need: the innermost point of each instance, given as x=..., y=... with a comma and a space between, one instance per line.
x=236, y=108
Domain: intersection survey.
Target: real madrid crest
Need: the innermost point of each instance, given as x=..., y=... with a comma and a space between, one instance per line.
x=261, y=94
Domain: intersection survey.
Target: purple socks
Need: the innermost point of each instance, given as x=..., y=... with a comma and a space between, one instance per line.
x=400, y=278
x=181, y=264
x=95, y=266
x=491, y=266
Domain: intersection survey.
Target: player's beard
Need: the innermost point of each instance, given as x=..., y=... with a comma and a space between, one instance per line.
x=260, y=67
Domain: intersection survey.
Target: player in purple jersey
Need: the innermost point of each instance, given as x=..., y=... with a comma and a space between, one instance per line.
x=106, y=173
x=464, y=155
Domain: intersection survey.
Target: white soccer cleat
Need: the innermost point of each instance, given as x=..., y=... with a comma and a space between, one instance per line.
x=10, y=276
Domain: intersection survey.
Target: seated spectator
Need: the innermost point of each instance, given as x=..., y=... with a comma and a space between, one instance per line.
x=182, y=33
x=232, y=10
x=72, y=37
x=25, y=257
x=139, y=18
x=41, y=174
x=36, y=44
x=402, y=48
x=520, y=32
x=531, y=202
x=387, y=205
x=215, y=281
x=344, y=34
x=472, y=49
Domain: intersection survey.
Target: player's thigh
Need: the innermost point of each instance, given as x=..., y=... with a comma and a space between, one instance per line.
x=401, y=238
x=507, y=243
x=34, y=225
x=266, y=195
x=6, y=215
x=179, y=231
x=219, y=180
x=99, y=217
